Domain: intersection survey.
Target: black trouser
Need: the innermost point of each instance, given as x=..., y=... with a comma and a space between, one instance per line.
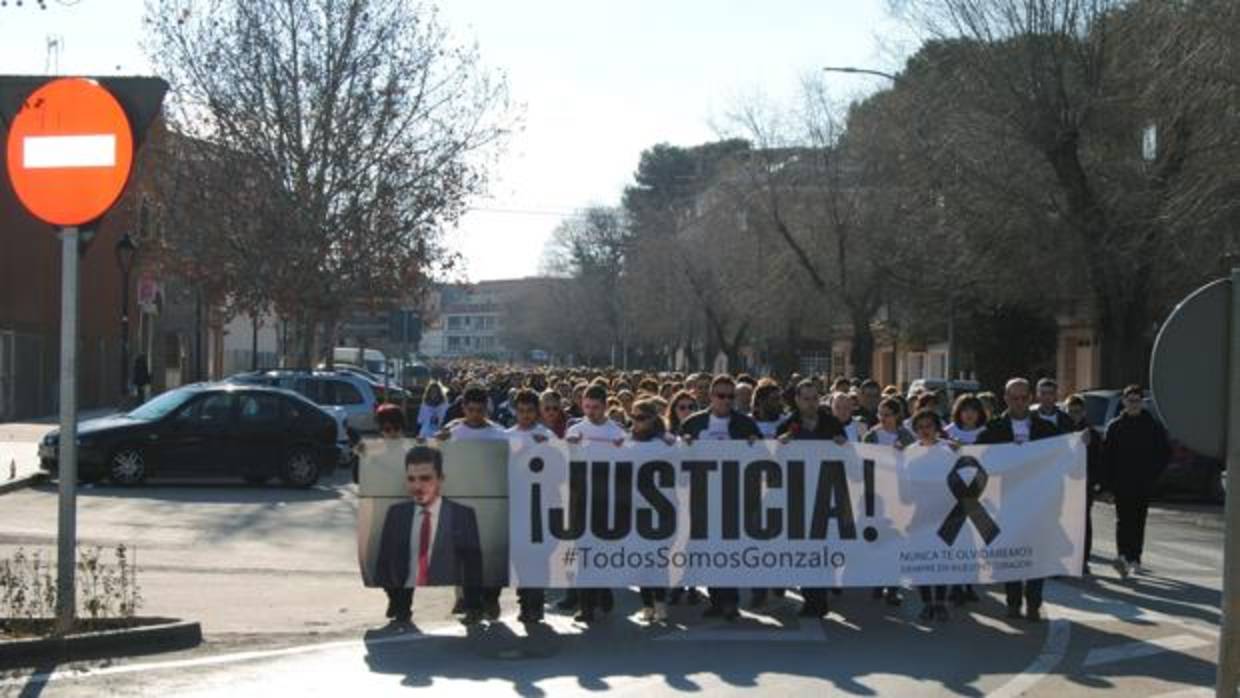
x=401, y=601
x=1030, y=590
x=591, y=599
x=816, y=598
x=1131, y=509
x=1089, y=529
x=531, y=600
x=488, y=596
x=725, y=598
x=652, y=594
x=940, y=593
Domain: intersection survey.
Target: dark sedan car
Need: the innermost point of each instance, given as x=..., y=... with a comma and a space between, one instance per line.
x=251, y=432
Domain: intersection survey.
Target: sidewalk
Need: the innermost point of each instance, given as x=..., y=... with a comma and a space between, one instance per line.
x=19, y=447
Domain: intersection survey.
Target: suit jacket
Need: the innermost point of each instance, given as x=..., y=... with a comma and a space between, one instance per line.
x=456, y=551
x=828, y=427
x=740, y=426
x=999, y=430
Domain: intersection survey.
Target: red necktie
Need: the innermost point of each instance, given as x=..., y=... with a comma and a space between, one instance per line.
x=424, y=549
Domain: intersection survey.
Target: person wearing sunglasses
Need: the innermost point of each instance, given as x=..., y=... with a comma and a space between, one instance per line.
x=1019, y=425
x=721, y=422
x=680, y=407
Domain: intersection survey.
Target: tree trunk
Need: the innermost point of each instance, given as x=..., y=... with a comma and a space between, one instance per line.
x=254, y=341
x=1125, y=353
x=862, y=354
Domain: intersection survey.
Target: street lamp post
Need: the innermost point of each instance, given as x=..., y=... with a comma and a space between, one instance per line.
x=125, y=250
x=861, y=71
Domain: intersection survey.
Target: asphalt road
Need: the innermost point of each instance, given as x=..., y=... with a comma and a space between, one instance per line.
x=272, y=576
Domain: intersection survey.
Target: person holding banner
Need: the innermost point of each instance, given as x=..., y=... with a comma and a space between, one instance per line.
x=595, y=427
x=890, y=432
x=812, y=421
x=720, y=422
x=527, y=432
x=968, y=420
x=1047, y=393
x=768, y=407
x=1093, y=467
x=429, y=540
x=475, y=425
x=647, y=427
x=1018, y=425
x=681, y=406
x=929, y=427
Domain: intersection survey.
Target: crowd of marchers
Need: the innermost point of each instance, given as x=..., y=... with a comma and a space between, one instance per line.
x=481, y=401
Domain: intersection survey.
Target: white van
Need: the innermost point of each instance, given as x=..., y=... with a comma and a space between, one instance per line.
x=374, y=361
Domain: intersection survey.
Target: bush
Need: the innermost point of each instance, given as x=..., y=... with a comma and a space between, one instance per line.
x=105, y=589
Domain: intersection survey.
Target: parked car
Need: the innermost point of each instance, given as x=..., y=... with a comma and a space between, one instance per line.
x=351, y=395
x=385, y=389
x=1187, y=472
x=248, y=431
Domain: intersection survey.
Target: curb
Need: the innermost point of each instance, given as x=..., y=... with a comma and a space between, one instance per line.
x=165, y=637
x=23, y=482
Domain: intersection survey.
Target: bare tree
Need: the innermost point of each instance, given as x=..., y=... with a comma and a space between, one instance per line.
x=1060, y=91
x=838, y=221
x=368, y=127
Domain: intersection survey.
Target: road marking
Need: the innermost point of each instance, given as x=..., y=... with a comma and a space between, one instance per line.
x=1188, y=693
x=1053, y=650
x=1144, y=648
x=93, y=150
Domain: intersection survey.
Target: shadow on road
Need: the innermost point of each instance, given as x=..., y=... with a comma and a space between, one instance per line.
x=870, y=644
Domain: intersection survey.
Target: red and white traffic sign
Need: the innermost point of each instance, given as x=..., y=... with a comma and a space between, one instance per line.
x=70, y=151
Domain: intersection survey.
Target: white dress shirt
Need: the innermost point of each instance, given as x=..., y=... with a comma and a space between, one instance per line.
x=415, y=541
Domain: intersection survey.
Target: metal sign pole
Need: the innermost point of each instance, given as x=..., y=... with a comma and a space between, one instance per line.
x=67, y=457
x=1228, y=640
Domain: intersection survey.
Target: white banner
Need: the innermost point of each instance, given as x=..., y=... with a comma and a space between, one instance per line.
x=801, y=514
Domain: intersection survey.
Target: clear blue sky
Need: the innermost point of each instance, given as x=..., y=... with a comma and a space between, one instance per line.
x=601, y=81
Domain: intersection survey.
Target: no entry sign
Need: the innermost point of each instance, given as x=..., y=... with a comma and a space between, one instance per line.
x=70, y=150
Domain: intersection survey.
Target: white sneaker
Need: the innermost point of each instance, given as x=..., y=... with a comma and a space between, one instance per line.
x=1138, y=568
x=646, y=615
x=660, y=611
x=1121, y=566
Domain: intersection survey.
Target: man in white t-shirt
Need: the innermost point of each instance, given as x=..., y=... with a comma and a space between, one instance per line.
x=526, y=433
x=595, y=427
x=527, y=430
x=474, y=425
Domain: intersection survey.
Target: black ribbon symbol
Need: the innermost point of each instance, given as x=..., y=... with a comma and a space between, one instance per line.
x=968, y=503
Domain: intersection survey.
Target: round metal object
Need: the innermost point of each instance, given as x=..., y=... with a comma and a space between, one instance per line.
x=1188, y=371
